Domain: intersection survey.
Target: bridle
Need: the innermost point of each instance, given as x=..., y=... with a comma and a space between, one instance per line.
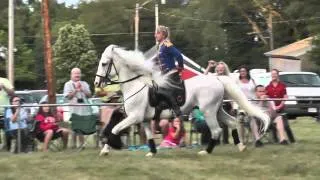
x=109, y=81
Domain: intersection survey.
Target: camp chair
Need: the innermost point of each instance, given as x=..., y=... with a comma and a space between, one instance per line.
x=84, y=125
x=38, y=136
x=9, y=136
x=193, y=130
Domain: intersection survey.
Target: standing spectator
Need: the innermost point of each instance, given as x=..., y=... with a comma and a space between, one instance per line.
x=6, y=90
x=247, y=85
x=108, y=94
x=17, y=118
x=77, y=91
x=277, y=89
x=221, y=69
x=49, y=129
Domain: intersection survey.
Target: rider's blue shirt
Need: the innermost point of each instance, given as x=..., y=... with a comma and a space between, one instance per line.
x=167, y=56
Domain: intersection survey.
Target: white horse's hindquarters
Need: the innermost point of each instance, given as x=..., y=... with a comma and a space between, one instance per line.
x=234, y=91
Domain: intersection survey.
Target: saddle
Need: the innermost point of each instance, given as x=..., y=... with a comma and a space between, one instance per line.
x=158, y=100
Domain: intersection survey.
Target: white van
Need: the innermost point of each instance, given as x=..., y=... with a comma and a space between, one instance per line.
x=300, y=85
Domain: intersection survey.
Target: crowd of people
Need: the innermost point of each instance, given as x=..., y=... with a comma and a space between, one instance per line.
x=173, y=130
x=47, y=120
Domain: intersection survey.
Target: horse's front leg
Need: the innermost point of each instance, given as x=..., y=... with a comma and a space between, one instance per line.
x=151, y=143
x=114, y=139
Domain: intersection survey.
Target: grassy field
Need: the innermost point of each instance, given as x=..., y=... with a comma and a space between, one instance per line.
x=296, y=161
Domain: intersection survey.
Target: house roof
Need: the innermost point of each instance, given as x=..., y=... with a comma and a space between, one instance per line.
x=292, y=51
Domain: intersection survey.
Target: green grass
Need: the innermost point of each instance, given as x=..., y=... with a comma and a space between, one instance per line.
x=296, y=161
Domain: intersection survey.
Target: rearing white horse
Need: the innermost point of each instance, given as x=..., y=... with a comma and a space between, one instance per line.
x=204, y=90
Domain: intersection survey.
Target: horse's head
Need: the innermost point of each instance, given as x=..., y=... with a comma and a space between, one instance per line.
x=106, y=69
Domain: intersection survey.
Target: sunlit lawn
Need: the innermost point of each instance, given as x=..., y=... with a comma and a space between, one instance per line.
x=296, y=161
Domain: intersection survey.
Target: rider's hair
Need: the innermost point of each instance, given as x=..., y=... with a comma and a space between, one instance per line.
x=164, y=30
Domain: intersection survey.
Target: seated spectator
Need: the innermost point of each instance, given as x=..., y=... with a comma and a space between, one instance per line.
x=269, y=108
x=17, y=117
x=175, y=136
x=200, y=124
x=49, y=130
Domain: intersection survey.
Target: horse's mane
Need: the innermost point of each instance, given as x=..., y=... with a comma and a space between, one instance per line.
x=136, y=61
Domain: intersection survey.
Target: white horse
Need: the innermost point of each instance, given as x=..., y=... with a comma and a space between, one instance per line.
x=206, y=91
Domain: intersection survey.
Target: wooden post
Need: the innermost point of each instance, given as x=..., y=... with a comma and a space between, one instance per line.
x=48, y=53
x=10, y=67
x=136, y=28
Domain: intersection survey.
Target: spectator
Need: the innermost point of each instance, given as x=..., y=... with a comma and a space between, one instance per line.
x=246, y=83
x=269, y=108
x=6, y=90
x=247, y=86
x=221, y=69
x=77, y=91
x=175, y=136
x=108, y=94
x=201, y=126
x=277, y=89
x=17, y=117
x=49, y=130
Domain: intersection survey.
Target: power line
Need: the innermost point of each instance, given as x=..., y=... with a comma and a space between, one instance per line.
x=234, y=22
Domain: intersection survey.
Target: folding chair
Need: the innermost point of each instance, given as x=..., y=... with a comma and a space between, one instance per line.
x=84, y=125
x=37, y=136
x=193, y=130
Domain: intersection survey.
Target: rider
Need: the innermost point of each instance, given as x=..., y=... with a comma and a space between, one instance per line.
x=167, y=55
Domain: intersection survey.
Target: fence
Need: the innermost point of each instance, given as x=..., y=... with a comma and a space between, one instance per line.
x=121, y=104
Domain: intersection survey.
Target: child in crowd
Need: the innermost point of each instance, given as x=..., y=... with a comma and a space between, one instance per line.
x=49, y=130
x=175, y=136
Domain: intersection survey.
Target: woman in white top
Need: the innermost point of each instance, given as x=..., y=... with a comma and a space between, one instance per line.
x=247, y=86
x=246, y=83
x=222, y=69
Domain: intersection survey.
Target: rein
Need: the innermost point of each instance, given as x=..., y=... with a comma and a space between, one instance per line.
x=111, y=82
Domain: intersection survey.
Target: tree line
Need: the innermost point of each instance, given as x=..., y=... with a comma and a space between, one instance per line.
x=235, y=31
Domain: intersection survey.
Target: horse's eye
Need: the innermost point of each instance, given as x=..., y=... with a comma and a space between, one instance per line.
x=104, y=64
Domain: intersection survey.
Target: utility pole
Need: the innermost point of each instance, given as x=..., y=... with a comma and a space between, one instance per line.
x=271, y=40
x=136, y=28
x=48, y=52
x=10, y=67
x=156, y=14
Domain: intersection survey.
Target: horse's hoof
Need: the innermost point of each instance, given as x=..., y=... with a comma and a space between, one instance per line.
x=150, y=154
x=242, y=147
x=104, y=151
x=203, y=153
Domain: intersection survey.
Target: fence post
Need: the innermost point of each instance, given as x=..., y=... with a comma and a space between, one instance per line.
x=318, y=112
x=19, y=132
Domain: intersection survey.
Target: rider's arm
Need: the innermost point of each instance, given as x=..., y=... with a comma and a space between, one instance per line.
x=177, y=55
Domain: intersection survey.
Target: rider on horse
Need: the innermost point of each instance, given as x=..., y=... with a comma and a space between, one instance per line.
x=167, y=55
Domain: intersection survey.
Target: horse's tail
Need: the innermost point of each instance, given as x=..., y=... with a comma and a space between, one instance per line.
x=234, y=91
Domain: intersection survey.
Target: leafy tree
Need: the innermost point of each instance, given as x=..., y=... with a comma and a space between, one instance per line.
x=74, y=48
